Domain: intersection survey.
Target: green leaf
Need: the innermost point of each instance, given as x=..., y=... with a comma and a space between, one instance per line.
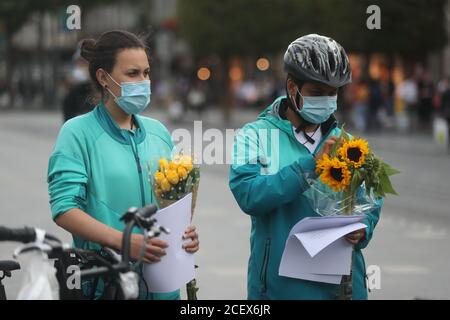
x=385, y=183
x=379, y=192
x=344, y=134
x=388, y=169
x=342, y=138
x=357, y=179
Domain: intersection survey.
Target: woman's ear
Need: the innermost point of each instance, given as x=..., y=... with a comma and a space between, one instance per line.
x=102, y=78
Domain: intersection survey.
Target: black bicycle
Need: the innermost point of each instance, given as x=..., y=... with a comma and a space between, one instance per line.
x=120, y=276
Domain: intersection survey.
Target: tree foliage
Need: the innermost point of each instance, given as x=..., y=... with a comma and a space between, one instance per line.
x=408, y=27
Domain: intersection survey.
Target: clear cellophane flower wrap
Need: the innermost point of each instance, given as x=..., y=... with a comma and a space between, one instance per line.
x=173, y=180
x=326, y=202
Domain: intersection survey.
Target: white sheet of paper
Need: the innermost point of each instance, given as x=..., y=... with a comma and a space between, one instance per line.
x=316, y=250
x=299, y=261
x=317, y=240
x=176, y=268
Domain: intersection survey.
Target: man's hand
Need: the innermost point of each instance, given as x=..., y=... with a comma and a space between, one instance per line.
x=327, y=147
x=356, y=236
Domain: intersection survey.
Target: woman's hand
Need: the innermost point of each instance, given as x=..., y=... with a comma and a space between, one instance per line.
x=193, y=245
x=356, y=236
x=327, y=147
x=153, y=251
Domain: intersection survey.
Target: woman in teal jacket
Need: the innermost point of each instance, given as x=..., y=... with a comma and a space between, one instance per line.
x=271, y=158
x=98, y=168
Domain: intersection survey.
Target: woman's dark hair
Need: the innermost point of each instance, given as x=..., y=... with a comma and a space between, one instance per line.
x=102, y=53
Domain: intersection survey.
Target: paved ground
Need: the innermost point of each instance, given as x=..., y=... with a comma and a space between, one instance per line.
x=410, y=244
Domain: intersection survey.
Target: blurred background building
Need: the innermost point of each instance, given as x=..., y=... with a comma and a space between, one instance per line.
x=208, y=55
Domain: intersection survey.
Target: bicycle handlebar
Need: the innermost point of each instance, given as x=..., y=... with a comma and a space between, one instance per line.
x=24, y=235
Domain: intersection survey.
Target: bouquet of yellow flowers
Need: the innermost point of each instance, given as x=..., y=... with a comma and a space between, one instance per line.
x=351, y=180
x=173, y=180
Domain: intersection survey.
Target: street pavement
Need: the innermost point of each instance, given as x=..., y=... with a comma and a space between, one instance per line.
x=410, y=244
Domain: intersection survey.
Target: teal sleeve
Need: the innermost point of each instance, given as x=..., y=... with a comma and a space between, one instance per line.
x=66, y=176
x=256, y=191
x=259, y=194
x=371, y=221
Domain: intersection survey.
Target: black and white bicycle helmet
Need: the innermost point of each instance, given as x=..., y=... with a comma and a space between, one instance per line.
x=317, y=58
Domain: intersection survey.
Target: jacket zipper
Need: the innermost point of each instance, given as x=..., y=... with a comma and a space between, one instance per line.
x=263, y=276
x=366, y=277
x=139, y=168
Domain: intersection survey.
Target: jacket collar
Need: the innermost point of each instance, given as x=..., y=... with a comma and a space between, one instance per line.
x=272, y=114
x=110, y=126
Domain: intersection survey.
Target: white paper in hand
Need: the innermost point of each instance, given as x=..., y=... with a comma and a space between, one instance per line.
x=316, y=250
x=176, y=268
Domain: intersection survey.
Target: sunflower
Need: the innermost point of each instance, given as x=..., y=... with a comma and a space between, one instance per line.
x=354, y=152
x=334, y=173
x=322, y=163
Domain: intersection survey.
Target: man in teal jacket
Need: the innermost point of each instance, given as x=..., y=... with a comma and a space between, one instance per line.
x=273, y=155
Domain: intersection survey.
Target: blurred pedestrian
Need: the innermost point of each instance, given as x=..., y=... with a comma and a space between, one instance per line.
x=387, y=93
x=196, y=98
x=375, y=102
x=360, y=105
x=445, y=106
x=407, y=115
x=78, y=99
x=426, y=94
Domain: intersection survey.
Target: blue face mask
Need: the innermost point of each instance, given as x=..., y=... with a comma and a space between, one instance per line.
x=317, y=109
x=135, y=96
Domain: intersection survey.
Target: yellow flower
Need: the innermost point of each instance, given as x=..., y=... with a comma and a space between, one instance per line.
x=182, y=173
x=173, y=165
x=335, y=174
x=165, y=185
x=354, y=152
x=186, y=162
x=163, y=164
x=158, y=192
x=159, y=176
x=172, y=177
x=322, y=163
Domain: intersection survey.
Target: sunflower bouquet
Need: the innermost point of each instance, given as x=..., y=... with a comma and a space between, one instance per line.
x=172, y=181
x=351, y=179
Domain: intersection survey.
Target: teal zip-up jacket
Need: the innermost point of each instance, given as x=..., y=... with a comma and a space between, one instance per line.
x=267, y=181
x=103, y=170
